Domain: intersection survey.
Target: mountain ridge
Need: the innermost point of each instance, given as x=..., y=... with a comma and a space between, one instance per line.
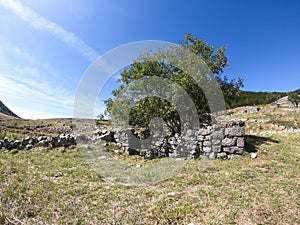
x=252, y=98
x=5, y=110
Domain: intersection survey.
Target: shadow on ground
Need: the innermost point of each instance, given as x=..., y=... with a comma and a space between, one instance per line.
x=252, y=142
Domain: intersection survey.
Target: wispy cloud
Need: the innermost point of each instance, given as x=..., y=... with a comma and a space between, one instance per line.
x=42, y=23
x=31, y=88
x=33, y=101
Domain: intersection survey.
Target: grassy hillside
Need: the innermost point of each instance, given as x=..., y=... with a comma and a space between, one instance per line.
x=250, y=98
x=60, y=187
x=14, y=128
x=6, y=117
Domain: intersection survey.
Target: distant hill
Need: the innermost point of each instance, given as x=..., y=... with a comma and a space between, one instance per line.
x=6, y=111
x=250, y=98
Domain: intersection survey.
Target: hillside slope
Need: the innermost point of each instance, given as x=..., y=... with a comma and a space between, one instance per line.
x=252, y=98
x=5, y=110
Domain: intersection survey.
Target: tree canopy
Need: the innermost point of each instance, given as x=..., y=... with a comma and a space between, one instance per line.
x=294, y=98
x=151, y=65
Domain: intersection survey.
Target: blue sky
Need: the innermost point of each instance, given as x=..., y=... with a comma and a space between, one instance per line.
x=46, y=46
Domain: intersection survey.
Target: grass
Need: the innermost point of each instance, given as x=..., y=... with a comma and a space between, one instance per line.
x=268, y=119
x=60, y=187
x=16, y=133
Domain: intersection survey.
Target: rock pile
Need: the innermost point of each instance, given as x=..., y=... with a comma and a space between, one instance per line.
x=42, y=141
x=250, y=110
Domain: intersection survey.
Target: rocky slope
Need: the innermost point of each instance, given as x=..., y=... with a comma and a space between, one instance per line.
x=5, y=110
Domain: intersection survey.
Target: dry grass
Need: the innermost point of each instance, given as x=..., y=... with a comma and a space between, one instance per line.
x=60, y=187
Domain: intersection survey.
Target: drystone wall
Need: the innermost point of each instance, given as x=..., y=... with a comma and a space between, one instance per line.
x=217, y=141
x=42, y=141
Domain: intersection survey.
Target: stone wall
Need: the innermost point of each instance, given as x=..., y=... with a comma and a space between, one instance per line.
x=42, y=141
x=217, y=141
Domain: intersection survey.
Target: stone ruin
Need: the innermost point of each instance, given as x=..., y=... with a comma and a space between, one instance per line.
x=42, y=141
x=216, y=141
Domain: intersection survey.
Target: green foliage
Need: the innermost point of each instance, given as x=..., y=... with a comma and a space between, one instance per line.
x=146, y=109
x=248, y=98
x=294, y=98
x=101, y=116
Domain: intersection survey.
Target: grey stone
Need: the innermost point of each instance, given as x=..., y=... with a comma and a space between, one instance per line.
x=206, y=143
x=233, y=156
x=7, y=144
x=216, y=142
x=190, y=133
x=212, y=155
x=16, y=144
x=20, y=147
x=40, y=138
x=253, y=155
x=240, y=142
x=206, y=149
x=229, y=142
x=200, y=138
x=218, y=135
x=207, y=138
x=49, y=139
x=222, y=155
x=237, y=150
x=42, y=143
x=218, y=126
x=204, y=131
x=235, y=123
x=33, y=140
x=216, y=148
x=27, y=138
x=25, y=142
x=226, y=149
x=235, y=131
x=253, y=109
x=28, y=147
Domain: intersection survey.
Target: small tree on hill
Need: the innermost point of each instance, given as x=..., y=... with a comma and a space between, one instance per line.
x=146, y=109
x=294, y=98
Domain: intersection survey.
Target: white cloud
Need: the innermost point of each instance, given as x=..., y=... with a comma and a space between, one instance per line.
x=42, y=100
x=42, y=23
x=31, y=88
x=34, y=89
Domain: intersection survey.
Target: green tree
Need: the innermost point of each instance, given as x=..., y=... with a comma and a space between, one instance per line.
x=294, y=98
x=101, y=117
x=146, y=109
